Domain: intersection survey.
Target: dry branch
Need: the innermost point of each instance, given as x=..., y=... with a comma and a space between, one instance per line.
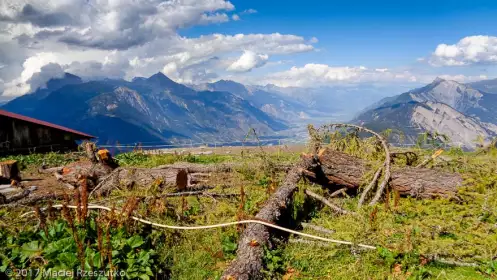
x=371, y=185
x=341, y=191
x=327, y=203
x=248, y=262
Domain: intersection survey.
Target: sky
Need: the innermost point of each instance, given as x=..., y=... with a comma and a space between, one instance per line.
x=287, y=43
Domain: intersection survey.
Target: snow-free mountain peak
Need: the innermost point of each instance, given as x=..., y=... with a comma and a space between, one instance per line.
x=458, y=96
x=449, y=107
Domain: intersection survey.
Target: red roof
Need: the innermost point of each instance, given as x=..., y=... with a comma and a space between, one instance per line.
x=44, y=123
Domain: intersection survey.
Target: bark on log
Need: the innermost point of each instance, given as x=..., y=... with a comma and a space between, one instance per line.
x=9, y=170
x=21, y=195
x=31, y=200
x=90, y=150
x=44, y=170
x=207, y=168
x=341, y=170
x=248, y=263
x=76, y=173
x=129, y=177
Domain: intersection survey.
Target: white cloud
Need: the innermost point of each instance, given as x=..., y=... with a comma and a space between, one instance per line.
x=315, y=75
x=313, y=40
x=31, y=66
x=114, y=24
x=249, y=11
x=124, y=39
x=469, y=50
x=248, y=61
x=463, y=78
x=235, y=17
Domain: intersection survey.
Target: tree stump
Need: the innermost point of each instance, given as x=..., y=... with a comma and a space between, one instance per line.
x=9, y=171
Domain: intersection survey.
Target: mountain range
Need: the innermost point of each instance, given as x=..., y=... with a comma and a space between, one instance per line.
x=157, y=109
x=463, y=112
x=144, y=110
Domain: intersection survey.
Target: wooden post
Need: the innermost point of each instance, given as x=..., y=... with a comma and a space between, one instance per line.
x=9, y=171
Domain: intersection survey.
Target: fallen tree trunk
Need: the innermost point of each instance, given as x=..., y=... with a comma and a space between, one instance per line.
x=25, y=193
x=338, y=170
x=248, y=263
x=32, y=199
x=130, y=177
x=224, y=167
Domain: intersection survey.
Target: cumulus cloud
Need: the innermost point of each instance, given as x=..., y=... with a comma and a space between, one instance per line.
x=47, y=72
x=469, y=50
x=315, y=75
x=114, y=24
x=248, y=61
x=124, y=39
x=32, y=65
x=188, y=52
x=235, y=17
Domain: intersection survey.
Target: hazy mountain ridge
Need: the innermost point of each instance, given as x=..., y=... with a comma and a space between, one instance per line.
x=273, y=103
x=146, y=109
x=454, y=109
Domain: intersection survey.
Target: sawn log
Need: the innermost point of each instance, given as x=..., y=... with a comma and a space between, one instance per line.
x=338, y=170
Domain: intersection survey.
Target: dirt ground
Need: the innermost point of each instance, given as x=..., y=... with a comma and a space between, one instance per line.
x=45, y=183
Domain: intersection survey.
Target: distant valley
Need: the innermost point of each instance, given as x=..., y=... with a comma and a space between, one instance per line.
x=157, y=109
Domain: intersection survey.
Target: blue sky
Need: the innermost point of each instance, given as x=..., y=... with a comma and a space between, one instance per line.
x=373, y=33
x=359, y=43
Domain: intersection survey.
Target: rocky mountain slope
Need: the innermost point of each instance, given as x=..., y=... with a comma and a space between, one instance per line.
x=456, y=110
x=273, y=103
x=488, y=86
x=144, y=110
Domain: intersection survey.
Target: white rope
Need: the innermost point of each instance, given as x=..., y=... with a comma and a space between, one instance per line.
x=93, y=206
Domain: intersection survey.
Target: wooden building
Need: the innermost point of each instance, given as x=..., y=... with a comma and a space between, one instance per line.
x=21, y=135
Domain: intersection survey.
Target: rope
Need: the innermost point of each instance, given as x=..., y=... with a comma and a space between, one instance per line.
x=218, y=226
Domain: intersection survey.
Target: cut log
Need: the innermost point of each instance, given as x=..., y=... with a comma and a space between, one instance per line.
x=32, y=199
x=9, y=170
x=248, y=263
x=25, y=193
x=44, y=170
x=78, y=172
x=129, y=177
x=339, y=170
x=207, y=168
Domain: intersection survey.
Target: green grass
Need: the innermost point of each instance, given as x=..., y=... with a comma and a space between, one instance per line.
x=464, y=230
x=50, y=159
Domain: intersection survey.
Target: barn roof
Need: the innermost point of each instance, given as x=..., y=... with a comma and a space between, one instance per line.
x=43, y=123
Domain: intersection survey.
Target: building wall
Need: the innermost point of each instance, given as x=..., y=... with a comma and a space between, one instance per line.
x=25, y=136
